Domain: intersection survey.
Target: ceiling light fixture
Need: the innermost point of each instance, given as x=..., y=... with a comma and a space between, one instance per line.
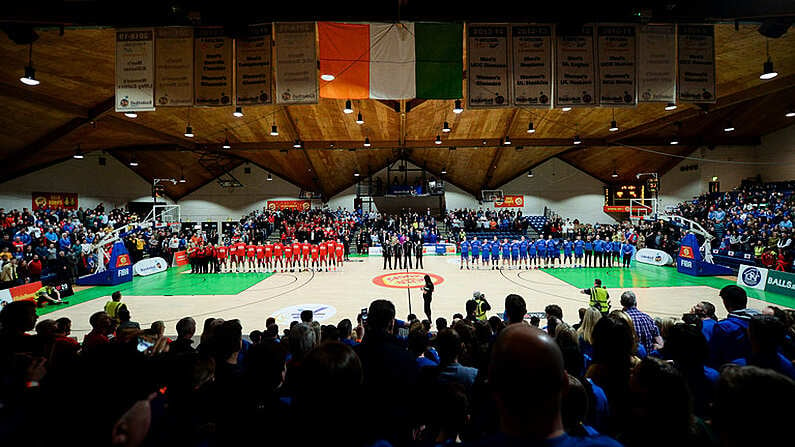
x=359, y=118
x=269, y=177
x=30, y=73
x=613, y=126
x=133, y=161
x=790, y=114
x=356, y=173
x=446, y=127
x=328, y=77
x=577, y=139
x=438, y=139
x=297, y=144
x=530, y=173
x=226, y=144
x=189, y=131
x=444, y=170
x=367, y=142
x=614, y=174
x=182, y=179
x=348, y=107
x=566, y=109
x=274, y=131
x=767, y=68
x=132, y=115
x=671, y=106
x=530, y=128
x=78, y=154
x=674, y=141
x=457, y=107
x=507, y=141
x=729, y=127
x=238, y=112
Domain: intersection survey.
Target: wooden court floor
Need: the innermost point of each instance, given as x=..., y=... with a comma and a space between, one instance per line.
x=253, y=297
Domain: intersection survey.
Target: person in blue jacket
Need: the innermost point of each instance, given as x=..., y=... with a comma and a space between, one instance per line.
x=729, y=339
x=515, y=253
x=486, y=252
x=474, y=246
x=567, y=246
x=616, y=252
x=626, y=252
x=464, y=254
x=589, y=256
x=541, y=246
x=579, y=251
x=553, y=251
x=598, y=252
x=531, y=252
x=506, y=253
x=495, y=253
x=523, y=253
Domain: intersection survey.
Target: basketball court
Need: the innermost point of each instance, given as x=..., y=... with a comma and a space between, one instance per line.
x=253, y=297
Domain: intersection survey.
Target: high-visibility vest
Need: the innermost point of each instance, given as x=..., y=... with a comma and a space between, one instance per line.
x=599, y=299
x=480, y=314
x=112, y=309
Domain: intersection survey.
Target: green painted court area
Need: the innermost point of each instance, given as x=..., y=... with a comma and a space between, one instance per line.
x=644, y=275
x=170, y=283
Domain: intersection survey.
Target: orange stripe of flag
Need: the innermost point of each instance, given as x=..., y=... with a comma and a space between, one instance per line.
x=345, y=53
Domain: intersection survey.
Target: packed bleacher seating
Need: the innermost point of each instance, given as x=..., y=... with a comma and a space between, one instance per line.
x=597, y=379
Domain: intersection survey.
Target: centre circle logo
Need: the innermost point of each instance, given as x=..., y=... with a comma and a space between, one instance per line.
x=320, y=312
x=752, y=276
x=413, y=280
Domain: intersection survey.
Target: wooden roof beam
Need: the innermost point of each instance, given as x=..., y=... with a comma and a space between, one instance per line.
x=499, y=151
x=40, y=99
x=294, y=131
x=141, y=129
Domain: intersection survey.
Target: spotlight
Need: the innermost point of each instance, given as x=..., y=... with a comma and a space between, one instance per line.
x=226, y=144
x=274, y=131
x=444, y=170
x=269, y=177
x=674, y=141
x=359, y=119
x=614, y=174
x=238, y=112
x=530, y=128
x=182, y=179
x=577, y=139
x=327, y=77
x=729, y=127
x=438, y=139
x=367, y=142
x=78, y=154
x=30, y=76
x=132, y=115
x=189, y=131
x=507, y=141
x=457, y=108
x=530, y=174
x=133, y=162
x=613, y=126
x=768, y=72
x=297, y=144
x=566, y=109
x=671, y=106
x=356, y=173
x=348, y=108
x=714, y=178
x=446, y=127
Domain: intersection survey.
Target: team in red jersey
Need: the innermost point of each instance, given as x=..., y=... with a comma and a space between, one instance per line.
x=292, y=256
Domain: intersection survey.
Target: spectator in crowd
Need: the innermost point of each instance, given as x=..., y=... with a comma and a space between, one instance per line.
x=450, y=346
x=647, y=331
x=729, y=338
x=515, y=309
x=705, y=313
x=766, y=335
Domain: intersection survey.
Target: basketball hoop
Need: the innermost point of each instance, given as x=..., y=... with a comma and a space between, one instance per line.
x=492, y=195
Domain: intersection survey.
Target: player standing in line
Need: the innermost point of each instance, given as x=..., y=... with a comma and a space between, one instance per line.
x=260, y=257
x=305, y=249
x=474, y=247
x=296, y=247
x=598, y=249
x=541, y=246
x=221, y=253
x=331, y=261
x=553, y=252
x=588, y=252
x=515, y=254
x=567, y=247
x=486, y=253
x=314, y=252
x=531, y=253
x=579, y=250
x=339, y=249
x=251, y=257
x=506, y=254
x=278, y=248
x=268, y=248
x=231, y=252
x=495, y=253
x=288, y=257
x=464, y=254
x=323, y=250
x=523, y=253
x=241, y=256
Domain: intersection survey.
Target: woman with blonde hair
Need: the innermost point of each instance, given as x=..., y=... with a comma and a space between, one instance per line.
x=585, y=332
x=635, y=359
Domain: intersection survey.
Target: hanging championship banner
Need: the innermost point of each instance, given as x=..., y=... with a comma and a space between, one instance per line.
x=253, y=76
x=213, y=69
x=575, y=73
x=616, y=53
x=135, y=70
x=54, y=201
x=487, y=59
x=531, y=48
x=174, y=67
x=657, y=63
x=296, y=63
x=696, y=63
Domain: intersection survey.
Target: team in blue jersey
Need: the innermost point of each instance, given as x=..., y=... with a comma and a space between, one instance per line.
x=551, y=252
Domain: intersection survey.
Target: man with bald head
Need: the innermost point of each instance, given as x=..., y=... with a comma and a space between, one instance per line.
x=527, y=378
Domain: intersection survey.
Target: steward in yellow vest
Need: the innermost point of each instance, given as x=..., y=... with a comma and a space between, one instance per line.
x=600, y=299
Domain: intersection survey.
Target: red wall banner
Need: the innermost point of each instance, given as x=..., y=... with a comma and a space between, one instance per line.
x=275, y=205
x=510, y=202
x=54, y=201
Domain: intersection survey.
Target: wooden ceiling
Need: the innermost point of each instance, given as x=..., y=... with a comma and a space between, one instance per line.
x=73, y=106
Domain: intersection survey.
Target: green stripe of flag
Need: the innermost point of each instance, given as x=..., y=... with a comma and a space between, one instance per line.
x=439, y=54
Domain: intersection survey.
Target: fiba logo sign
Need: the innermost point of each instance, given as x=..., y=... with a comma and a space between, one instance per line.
x=123, y=272
x=752, y=277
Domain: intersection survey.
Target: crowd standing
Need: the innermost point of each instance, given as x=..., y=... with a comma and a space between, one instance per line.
x=607, y=377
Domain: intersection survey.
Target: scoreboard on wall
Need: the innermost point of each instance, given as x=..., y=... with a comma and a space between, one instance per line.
x=619, y=197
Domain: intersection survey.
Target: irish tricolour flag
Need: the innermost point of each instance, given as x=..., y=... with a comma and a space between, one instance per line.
x=391, y=60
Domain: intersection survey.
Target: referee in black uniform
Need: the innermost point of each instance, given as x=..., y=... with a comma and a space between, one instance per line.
x=418, y=254
x=386, y=252
x=408, y=251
